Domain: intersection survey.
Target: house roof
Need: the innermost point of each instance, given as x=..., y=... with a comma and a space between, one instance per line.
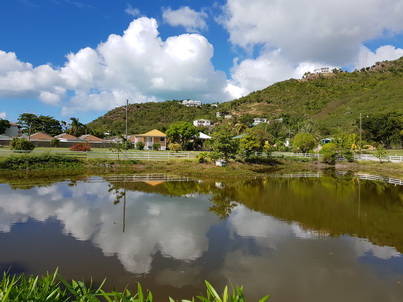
x=154, y=133
x=40, y=136
x=203, y=136
x=90, y=137
x=66, y=136
x=12, y=124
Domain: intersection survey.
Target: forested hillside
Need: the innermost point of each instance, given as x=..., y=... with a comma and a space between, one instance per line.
x=326, y=100
x=147, y=116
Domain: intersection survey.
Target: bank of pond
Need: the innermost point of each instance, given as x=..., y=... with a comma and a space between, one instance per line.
x=304, y=236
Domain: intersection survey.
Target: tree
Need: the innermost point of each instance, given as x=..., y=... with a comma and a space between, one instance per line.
x=4, y=125
x=303, y=142
x=55, y=142
x=181, y=132
x=223, y=144
x=31, y=123
x=382, y=128
x=249, y=144
x=76, y=128
x=329, y=153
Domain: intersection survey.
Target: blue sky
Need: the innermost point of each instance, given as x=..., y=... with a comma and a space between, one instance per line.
x=81, y=58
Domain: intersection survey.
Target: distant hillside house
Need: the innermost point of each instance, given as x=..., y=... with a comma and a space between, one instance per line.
x=150, y=138
x=223, y=114
x=201, y=123
x=91, y=138
x=40, y=136
x=191, y=103
x=65, y=137
x=12, y=131
x=259, y=120
x=322, y=70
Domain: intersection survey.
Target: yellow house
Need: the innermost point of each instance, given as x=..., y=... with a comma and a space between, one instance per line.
x=150, y=138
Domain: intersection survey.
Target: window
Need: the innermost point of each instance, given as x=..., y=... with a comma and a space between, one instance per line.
x=162, y=139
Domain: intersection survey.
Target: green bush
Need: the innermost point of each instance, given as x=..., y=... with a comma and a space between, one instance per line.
x=43, y=161
x=140, y=146
x=329, y=153
x=156, y=147
x=21, y=144
x=175, y=147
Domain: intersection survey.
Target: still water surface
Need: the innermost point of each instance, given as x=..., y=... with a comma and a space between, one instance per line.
x=299, y=238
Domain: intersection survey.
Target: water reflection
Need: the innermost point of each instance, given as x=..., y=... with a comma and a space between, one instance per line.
x=315, y=235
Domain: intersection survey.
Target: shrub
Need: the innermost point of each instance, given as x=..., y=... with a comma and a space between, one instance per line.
x=140, y=146
x=81, y=147
x=329, y=152
x=55, y=142
x=21, y=144
x=156, y=147
x=175, y=147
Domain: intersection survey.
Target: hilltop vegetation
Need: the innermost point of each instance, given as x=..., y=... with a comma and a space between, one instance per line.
x=327, y=101
x=147, y=116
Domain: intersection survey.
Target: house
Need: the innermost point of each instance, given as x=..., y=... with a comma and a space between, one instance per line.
x=40, y=136
x=150, y=138
x=259, y=120
x=191, y=103
x=12, y=131
x=91, y=138
x=322, y=70
x=223, y=114
x=201, y=123
x=65, y=137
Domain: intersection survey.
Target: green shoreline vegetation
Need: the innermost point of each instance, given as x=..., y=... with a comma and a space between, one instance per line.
x=51, y=165
x=53, y=287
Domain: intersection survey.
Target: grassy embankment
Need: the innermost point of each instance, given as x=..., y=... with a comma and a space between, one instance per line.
x=49, y=165
x=54, y=287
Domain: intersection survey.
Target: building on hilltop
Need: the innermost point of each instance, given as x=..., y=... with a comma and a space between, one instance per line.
x=191, y=103
x=322, y=70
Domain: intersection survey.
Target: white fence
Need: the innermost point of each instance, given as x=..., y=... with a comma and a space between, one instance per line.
x=137, y=155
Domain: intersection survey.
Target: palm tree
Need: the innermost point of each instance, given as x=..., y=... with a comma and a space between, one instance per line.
x=76, y=128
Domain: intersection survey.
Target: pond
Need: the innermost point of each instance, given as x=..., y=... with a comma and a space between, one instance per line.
x=297, y=237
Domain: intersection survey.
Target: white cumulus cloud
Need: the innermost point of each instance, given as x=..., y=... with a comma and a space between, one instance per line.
x=190, y=19
x=293, y=37
x=3, y=115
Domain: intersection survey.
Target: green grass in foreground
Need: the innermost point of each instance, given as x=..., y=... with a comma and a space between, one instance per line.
x=54, y=287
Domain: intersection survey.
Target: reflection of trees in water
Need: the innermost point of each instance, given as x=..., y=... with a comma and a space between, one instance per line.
x=333, y=205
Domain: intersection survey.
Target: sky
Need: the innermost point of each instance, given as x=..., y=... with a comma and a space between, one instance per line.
x=82, y=58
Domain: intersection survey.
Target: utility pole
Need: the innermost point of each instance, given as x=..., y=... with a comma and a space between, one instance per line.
x=360, y=135
x=127, y=104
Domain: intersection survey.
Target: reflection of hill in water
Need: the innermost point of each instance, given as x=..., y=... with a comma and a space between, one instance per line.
x=329, y=205
x=325, y=204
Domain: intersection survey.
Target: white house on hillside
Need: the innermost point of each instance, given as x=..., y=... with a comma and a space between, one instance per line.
x=259, y=120
x=191, y=103
x=201, y=123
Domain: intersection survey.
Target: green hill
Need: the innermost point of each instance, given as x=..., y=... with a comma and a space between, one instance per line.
x=147, y=116
x=328, y=100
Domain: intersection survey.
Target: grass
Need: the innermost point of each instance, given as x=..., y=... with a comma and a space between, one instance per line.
x=53, y=287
